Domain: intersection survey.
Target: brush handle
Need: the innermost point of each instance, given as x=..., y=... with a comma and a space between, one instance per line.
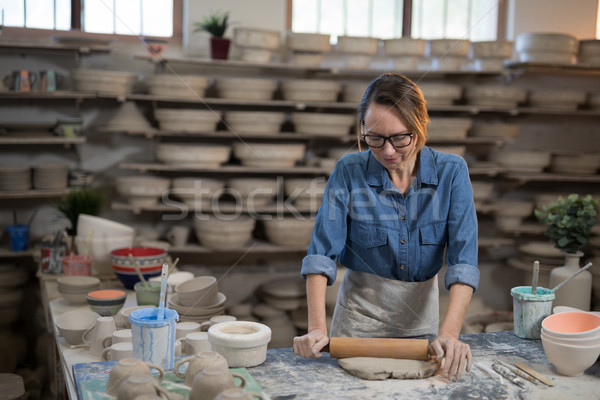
x=571, y=277
x=534, y=279
x=163, y=289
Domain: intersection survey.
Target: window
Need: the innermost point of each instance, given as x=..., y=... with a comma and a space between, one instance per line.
x=430, y=19
x=125, y=17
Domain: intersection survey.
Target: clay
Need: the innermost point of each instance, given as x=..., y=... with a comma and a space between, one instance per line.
x=375, y=369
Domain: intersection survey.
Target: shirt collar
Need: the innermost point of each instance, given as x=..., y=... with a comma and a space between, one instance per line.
x=426, y=171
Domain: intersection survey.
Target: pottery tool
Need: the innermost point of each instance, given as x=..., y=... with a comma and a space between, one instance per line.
x=88, y=242
x=411, y=349
x=493, y=374
x=534, y=279
x=172, y=267
x=518, y=372
x=137, y=270
x=571, y=277
x=506, y=373
x=534, y=373
x=163, y=289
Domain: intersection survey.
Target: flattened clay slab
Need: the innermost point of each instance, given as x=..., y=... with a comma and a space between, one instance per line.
x=375, y=369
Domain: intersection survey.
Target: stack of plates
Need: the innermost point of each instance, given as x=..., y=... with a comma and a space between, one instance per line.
x=51, y=176
x=197, y=314
x=14, y=177
x=74, y=288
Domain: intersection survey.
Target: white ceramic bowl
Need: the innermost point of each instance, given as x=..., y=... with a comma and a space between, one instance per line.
x=569, y=359
x=246, y=88
x=448, y=47
x=142, y=190
x=569, y=325
x=513, y=208
x=268, y=155
x=198, y=292
x=491, y=49
x=358, y=45
x=289, y=231
x=257, y=122
x=257, y=38
x=73, y=324
x=546, y=42
x=224, y=234
x=587, y=341
x=242, y=343
x=186, y=86
x=313, y=42
x=310, y=90
x=404, y=47
x=103, y=228
x=205, y=155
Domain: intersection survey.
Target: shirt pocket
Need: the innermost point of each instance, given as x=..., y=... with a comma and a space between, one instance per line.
x=367, y=236
x=433, y=234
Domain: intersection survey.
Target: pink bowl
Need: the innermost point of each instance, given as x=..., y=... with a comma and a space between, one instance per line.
x=572, y=324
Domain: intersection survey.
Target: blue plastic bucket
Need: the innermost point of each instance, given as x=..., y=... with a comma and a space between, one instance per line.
x=153, y=339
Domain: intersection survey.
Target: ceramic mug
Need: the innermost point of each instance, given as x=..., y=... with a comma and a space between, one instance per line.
x=196, y=342
x=215, y=320
x=182, y=329
x=105, y=326
x=117, y=351
x=199, y=362
x=120, y=336
x=209, y=382
x=129, y=367
x=138, y=385
x=178, y=235
x=49, y=80
x=237, y=394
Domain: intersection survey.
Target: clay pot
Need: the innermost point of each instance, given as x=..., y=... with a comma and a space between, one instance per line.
x=208, y=383
x=129, y=367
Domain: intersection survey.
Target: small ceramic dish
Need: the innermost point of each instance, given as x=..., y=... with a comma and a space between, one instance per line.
x=106, y=302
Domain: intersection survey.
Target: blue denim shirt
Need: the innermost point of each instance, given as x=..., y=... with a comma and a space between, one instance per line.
x=370, y=226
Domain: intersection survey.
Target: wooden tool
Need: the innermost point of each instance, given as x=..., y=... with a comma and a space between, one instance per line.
x=534, y=373
x=410, y=349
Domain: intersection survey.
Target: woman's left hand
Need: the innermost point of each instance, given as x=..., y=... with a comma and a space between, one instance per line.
x=457, y=355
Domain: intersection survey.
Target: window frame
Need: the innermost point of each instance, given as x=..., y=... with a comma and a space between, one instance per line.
x=76, y=19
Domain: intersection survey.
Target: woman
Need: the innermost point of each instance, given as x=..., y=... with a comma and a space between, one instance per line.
x=390, y=215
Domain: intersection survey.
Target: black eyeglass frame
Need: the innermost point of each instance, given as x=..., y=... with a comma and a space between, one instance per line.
x=389, y=138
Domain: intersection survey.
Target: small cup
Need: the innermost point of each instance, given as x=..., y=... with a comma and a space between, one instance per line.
x=117, y=351
x=147, y=295
x=196, y=342
x=75, y=264
x=128, y=367
x=182, y=329
x=120, y=336
x=178, y=235
x=215, y=320
x=19, y=237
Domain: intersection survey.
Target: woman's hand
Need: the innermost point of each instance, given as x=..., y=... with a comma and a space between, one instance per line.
x=310, y=345
x=457, y=355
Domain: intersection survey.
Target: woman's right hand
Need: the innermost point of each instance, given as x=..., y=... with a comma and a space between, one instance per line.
x=310, y=345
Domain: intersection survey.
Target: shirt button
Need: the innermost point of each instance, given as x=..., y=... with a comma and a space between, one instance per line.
x=402, y=266
x=402, y=218
x=402, y=241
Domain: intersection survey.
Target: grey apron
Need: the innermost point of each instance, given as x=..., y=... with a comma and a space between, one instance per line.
x=371, y=306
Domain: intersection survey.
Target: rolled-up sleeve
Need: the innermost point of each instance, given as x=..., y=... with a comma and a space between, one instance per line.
x=461, y=253
x=330, y=230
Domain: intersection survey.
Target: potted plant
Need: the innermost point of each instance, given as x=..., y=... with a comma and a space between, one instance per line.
x=569, y=223
x=216, y=24
x=79, y=201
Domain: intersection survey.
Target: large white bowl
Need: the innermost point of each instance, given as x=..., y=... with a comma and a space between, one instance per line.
x=248, y=122
x=142, y=190
x=323, y=123
x=289, y=231
x=205, y=155
x=242, y=343
x=271, y=155
x=224, y=234
x=569, y=325
x=313, y=42
x=570, y=359
x=358, y=45
x=103, y=228
x=100, y=249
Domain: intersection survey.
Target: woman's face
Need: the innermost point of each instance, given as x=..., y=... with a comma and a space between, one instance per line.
x=384, y=120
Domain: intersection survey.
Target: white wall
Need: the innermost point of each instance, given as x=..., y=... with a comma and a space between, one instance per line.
x=576, y=17
x=265, y=14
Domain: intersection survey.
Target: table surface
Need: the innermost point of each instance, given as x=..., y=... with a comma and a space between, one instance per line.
x=285, y=376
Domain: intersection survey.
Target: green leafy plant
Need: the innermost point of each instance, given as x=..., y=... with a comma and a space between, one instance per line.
x=216, y=24
x=569, y=221
x=80, y=201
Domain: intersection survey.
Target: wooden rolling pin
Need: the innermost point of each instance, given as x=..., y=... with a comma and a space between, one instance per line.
x=410, y=349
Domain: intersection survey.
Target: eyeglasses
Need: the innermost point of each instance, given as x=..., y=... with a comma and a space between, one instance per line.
x=398, y=141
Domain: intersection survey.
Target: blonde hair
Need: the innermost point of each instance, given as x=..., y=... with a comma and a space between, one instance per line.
x=404, y=95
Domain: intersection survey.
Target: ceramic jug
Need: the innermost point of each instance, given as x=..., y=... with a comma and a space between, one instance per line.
x=199, y=362
x=129, y=367
x=209, y=382
x=139, y=385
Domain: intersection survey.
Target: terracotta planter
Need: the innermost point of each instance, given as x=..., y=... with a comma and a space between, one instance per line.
x=219, y=48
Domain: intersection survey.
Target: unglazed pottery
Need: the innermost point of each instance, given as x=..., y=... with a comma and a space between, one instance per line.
x=129, y=367
x=242, y=343
x=209, y=382
x=199, y=362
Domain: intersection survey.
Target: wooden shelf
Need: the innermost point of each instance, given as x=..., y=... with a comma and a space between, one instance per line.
x=6, y=253
x=56, y=48
x=224, y=207
x=234, y=169
x=297, y=136
x=548, y=177
x=33, y=194
x=41, y=140
x=527, y=67
x=57, y=95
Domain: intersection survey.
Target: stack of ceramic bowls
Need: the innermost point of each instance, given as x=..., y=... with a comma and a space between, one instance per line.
x=183, y=86
x=499, y=130
x=15, y=177
x=50, y=176
x=74, y=288
x=308, y=48
x=565, y=100
x=310, y=90
x=482, y=191
x=189, y=120
x=448, y=128
x=197, y=192
x=357, y=51
x=576, y=163
x=128, y=118
x=552, y=48
x=289, y=231
x=405, y=52
x=323, y=124
x=448, y=54
x=510, y=213
x=268, y=155
x=253, y=192
x=200, y=156
x=490, y=55
x=198, y=299
x=523, y=161
x=353, y=92
x=149, y=260
x=246, y=88
x=306, y=193
x=254, y=122
x=103, y=81
x=225, y=233
x=98, y=236
x=12, y=279
x=441, y=94
x=143, y=191
x=571, y=341
x=589, y=53
x=256, y=45
x=495, y=96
